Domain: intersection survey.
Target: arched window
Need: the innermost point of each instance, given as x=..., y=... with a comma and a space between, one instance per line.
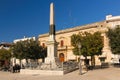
x=62, y=43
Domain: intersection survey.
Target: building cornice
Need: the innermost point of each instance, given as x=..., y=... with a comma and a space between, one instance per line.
x=77, y=28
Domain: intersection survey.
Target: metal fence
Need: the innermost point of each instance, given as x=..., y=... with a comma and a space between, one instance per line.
x=68, y=65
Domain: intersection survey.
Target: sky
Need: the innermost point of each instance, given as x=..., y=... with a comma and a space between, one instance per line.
x=29, y=18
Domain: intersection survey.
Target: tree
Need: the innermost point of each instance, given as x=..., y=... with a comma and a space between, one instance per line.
x=92, y=44
x=28, y=49
x=34, y=51
x=114, y=39
x=18, y=50
x=75, y=40
x=5, y=56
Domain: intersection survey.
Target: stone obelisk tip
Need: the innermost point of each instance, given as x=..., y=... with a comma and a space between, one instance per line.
x=52, y=23
x=51, y=14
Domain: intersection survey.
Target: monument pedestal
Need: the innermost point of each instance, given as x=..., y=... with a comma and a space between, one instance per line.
x=51, y=58
x=51, y=62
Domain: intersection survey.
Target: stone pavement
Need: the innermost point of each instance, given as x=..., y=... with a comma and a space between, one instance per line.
x=98, y=74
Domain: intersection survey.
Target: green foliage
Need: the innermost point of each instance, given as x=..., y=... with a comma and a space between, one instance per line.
x=5, y=54
x=91, y=43
x=76, y=51
x=18, y=50
x=28, y=49
x=114, y=37
x=75, y=39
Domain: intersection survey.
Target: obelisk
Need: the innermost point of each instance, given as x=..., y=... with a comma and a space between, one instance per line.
x=51, y=43
x=52, y=22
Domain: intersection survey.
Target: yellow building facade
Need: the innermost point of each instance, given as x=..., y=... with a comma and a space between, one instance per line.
x=63, y=37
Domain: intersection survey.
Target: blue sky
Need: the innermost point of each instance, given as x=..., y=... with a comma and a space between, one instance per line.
x=29, y=18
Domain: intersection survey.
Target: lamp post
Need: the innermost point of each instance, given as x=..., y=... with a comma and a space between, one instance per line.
x=11, y=59
x=80, y=66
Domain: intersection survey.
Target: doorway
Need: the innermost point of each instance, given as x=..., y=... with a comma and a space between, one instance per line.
x=61, y=57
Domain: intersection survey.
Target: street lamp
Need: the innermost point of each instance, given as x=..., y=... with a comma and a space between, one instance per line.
x=11, y=64
x=80, y=66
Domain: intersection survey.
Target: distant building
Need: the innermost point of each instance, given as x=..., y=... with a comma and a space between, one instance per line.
x=5, y=45
x=23, y=39
x=64, y=50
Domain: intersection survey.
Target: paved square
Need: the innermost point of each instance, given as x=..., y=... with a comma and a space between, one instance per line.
x=99, y=74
